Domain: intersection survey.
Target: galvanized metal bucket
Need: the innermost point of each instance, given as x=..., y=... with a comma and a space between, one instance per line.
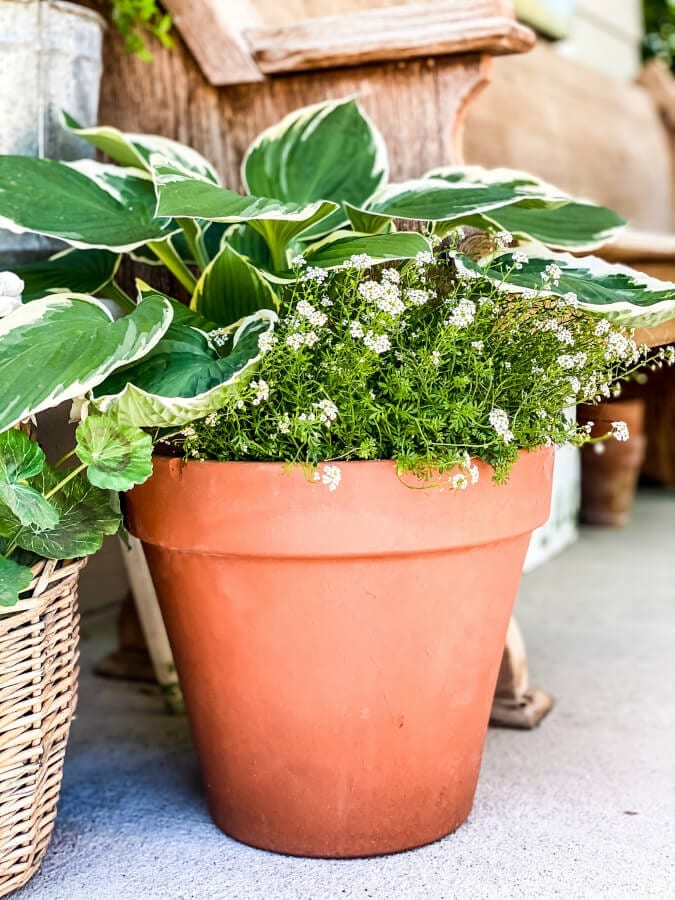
x=50, y=60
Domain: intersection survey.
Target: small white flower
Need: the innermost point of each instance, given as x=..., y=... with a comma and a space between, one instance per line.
x=459, y=482
x=519, y=258
x=503, y=239
x=10, y=285
x=328, y=412
x=239, y=404
x=424, y=258
x=284, y=425
x=315, y=273
x=436, y=358
x=500, y=422
x=219, y=336
x=574, y=383
x=564, y=335
x=392, y=275
x=298, y=261
x=417, y=296
x=313, y=315
x=571, y=299
x=189, y=432
x=262, y=391
x=359, y=261
x=356, y=330
x=295, y=340
x=474, y=474
x=478, y=345
x=620, y=431
x=266, y=341
x=211, y=419
x=378, y=343
x=463, y=314
x=552, y=273
x=311, y=338
x=331, y=477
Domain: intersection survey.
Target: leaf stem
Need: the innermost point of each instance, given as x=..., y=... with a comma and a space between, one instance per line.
x=120, y=296
x=60, y=462
x=166, y=254
x=193, y=236
x=69, y=477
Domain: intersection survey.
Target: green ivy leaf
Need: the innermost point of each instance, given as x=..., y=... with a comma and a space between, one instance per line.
x=117, y=456
x=14, y=578
x=20, y=459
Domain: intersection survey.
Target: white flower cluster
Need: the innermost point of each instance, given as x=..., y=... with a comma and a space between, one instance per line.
x=327, y=412
x=620, y=431
x=519, y=258
x=572, y=360
x=378, y=343
x=503, y=239
x=417, y=296
x=266, y=341
x=501, y=424
x=620, y=348
x=359, y=261
x=262, y=391
x=313, y=315
x=552, y=274
x=11, y=289
x=385, y=294
x=330, y=476
x=314, y=273
x=463, y=314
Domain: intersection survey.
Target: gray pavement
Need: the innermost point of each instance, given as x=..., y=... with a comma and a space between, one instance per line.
x=584, y=807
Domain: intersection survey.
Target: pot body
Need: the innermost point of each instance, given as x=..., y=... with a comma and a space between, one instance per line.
x=338, y=651
x=50, y=60
x=609, y=479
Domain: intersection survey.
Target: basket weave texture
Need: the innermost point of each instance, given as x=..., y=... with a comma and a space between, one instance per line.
x=38, y=692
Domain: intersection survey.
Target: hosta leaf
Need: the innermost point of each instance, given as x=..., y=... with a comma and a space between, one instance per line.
x=129, y=149
x=627, y=297
x=60, y=347
x=117, y=456
x=181, y=195
x=14, y=578
x=86, y=515
x=231, y=288
x=249, y=243
x=328, y=151
x=183, y=377
x=338, y=248
x=20, y=459
x=366, y=222
x=538, y=211
x=70, y=271
x=58, y=200
x=433, y=199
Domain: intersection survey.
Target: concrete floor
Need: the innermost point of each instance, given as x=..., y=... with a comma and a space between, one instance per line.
x=584, y=807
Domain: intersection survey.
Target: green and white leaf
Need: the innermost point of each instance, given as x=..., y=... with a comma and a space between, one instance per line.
x=327, y=151
x=85, y=512
x=135, y=150
x=338, y=248
x=60, y=347
x=539, y=211
x=20, y=459
x=14, y=578
x=617, y=292
x=70, y=271
x=85, y=204
x=181, y=195
x=117, y=456
x=184, y=377
x=365, y=222
x=231, y=288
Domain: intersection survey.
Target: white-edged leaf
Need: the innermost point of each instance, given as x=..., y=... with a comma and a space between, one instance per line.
x=617, y=292
x=135, y=150
x=335, y=250
x=326, y=151
x=60, y=347
x=69, y=271
x=86, y=204
x=231, y=288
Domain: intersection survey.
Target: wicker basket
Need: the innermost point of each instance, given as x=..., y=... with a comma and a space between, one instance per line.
x=38, y=690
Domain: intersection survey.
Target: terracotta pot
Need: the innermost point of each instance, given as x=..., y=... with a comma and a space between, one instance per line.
x=338, y=651
x=609, y=478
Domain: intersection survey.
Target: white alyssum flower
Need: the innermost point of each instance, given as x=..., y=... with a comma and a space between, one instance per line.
x=417, y=296
x=424, y=258
x=552, y=273
x=284, y=425
x=356, y=330
x=463, y=314
x=219, y=336
x=459, y=482
x=315, y=274
x=378, y=343
x=620, y=431
x=620, y=347
x=479, y=346
x=503, y=239
x=519, y=258
x=391, y=275
x=385, y=295
x=359, y=261
x=572, y=360
x=574, y=383
x=501, y=424
x=331, y=476
x=313, y=315
x=262, y=391
x=436, y=358
x=211, y=420
x=266, y=341
x=295, y=341
x=327, y=412
x=564, y=335
x=239, y=404
x=298, y=261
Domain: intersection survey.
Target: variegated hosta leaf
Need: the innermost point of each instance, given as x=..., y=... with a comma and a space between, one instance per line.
x=85, y=204
x=85, y=515
x=627, y=297
x=231, y=288
x=14, y=578
x=366, y=222
x=117, y=456
x=340, y=247
x=184, y=377
x=181, y=195
x=539, y=210
x=70, y=271
x=60, y=347
x=21, y=459
x=135, y=150
x=327, y=151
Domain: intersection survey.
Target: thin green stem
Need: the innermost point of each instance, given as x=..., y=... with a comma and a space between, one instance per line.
x=69, y=477
x=10, y=549
x=166, y=254
x=66, y=456
x=120, y=296
x=194, y=237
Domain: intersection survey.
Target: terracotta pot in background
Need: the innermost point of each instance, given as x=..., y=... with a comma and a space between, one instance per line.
x=609, y=478
x=338, y=650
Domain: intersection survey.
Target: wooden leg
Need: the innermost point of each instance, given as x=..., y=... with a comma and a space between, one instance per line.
x=516, y=704
x=152, y=624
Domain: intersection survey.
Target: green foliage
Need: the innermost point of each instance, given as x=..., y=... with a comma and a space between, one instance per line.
x=424, y=363
x=659, y=40
x=134, y=19
x=117, y=456
x=14, y=578
x=21, y=459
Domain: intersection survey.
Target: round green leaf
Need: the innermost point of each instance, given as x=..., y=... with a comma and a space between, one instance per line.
x=14, y=578
x=20, y=459
x=117, y=456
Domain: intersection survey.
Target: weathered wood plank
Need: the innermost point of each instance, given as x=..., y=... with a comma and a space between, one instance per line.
x=441, y=28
